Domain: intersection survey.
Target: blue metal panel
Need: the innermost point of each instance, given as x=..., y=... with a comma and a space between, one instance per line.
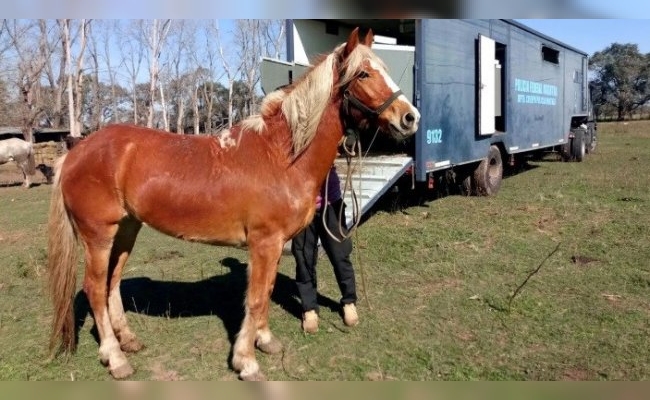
x=448, y=94
x=540, y=96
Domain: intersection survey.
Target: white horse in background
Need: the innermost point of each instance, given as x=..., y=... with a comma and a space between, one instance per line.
x=20, y=152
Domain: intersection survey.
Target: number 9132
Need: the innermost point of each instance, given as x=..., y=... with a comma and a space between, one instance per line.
x=434, y=136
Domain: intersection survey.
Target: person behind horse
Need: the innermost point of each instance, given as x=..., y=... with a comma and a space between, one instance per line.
x=304, y=248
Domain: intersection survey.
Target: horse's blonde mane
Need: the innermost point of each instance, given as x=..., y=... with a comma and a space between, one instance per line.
x=304, y=104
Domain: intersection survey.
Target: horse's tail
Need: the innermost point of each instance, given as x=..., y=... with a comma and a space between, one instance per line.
x=31, y=160
x=62, y=267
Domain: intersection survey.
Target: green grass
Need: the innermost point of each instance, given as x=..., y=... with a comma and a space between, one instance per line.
x=439, y=279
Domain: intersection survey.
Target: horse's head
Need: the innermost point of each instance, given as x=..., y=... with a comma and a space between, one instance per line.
x=369, y=93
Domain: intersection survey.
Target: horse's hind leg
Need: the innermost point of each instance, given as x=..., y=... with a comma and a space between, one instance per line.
x=98, y=254
x=122, y=246
x=26, y=180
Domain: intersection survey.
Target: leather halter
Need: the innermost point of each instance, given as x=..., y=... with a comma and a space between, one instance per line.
x=348, y=99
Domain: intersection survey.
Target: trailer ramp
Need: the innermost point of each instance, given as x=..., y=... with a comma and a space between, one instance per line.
x=371, y=178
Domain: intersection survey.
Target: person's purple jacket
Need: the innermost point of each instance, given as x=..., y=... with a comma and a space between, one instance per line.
x=333, y=184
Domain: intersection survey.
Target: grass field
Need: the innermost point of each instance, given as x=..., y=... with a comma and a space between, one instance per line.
x=437, y=303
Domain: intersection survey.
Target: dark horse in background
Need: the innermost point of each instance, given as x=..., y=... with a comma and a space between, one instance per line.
x=253, y=185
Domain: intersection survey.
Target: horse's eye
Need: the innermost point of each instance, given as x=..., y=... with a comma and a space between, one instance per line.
x=363, y=75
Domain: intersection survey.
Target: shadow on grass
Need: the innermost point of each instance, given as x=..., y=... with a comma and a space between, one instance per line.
x=219, y=295
x=448, y=184
x=16, y=184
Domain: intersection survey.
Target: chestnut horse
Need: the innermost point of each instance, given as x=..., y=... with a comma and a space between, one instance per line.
x=253, y=185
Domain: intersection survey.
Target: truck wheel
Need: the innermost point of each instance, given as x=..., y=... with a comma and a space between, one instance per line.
x=578, y=146
x=592, y=141
x=489, y=173
x=466, y=186
x=566, y=152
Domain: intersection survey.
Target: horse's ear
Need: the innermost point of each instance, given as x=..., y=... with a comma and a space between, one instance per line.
x=369, y=38
x=353, y=41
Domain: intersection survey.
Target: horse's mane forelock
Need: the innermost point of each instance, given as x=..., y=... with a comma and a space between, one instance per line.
x=304, y=103
x=353, y=63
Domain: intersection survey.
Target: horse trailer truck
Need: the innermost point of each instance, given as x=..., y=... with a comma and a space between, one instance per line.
x=490, y=92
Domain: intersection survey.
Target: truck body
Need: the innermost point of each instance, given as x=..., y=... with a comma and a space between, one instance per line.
x=489, y=92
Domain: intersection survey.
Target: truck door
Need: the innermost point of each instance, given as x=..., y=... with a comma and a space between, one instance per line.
x=487, y=86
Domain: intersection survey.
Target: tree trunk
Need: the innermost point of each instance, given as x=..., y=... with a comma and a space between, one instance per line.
x=163, y=107
x=180, y=114
x=195, y=109
x=65, y=25
x=208, y=100
x=156, y=39
x=83, y=30
x=153, y=77
x=134, y=96
x=231, y=83
x=96, y=117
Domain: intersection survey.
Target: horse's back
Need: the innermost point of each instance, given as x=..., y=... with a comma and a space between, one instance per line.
x=155, y=176
x=118, y=154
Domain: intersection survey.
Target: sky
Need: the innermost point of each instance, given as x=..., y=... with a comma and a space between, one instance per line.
x=274, y=9
x=592, y=35
x=601, y=22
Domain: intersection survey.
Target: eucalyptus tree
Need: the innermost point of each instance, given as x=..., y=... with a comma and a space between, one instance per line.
x=74, y=73
x=621, y=78
x=153, y=34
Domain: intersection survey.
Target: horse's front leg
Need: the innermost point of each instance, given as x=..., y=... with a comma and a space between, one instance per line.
x=262, y=270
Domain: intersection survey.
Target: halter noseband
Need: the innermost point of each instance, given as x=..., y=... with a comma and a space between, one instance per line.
x=349, y=98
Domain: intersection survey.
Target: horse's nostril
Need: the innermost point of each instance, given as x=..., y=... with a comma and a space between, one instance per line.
x=409, y=119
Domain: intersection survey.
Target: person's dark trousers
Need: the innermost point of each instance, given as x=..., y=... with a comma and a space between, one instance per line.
x=304, y=248
x=339, y=252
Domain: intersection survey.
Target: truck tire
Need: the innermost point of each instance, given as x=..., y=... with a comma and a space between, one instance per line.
x=466, y=186
x=578, y=145
x=592, y=140
x=566, y=152
x=488, y=174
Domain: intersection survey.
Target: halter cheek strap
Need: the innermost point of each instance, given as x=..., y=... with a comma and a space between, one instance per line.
x=349, y=98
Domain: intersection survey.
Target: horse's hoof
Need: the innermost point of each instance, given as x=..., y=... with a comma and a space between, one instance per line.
x=121, y=372
x=132, y=346
x=254, y=377
x=273, y=346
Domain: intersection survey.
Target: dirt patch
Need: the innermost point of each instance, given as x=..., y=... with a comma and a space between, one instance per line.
x=466, y=336
x=546, y=223
x=574, y=374
x=443, y=284
x=160, y=373
x=379, y=376
x=11, y=237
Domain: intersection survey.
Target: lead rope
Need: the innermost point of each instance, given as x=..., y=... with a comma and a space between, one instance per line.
x=356, y=214
x=362, y=271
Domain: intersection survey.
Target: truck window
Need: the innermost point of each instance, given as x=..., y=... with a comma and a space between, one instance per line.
x=550, y=55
